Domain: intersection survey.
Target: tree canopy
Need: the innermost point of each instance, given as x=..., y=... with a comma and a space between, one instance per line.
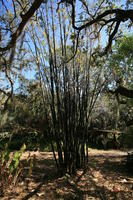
x=104, y=13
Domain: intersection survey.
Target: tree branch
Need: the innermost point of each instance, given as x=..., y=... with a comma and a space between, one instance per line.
x=36, y=4
x=111, y=37
x=121, y=16
x=123, y=91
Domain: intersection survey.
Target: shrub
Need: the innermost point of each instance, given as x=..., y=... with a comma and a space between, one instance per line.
x=11, y=168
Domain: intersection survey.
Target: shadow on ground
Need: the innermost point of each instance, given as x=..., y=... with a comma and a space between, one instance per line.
x=105, y=178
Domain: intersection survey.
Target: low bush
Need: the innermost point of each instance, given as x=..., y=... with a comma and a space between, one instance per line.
x=11, y=168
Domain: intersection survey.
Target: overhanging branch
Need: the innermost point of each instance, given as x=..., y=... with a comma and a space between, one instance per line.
x=120, y=16
x=123, y=91
x=25, y=18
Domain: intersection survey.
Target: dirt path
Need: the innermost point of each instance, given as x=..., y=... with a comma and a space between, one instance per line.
x=105, y=178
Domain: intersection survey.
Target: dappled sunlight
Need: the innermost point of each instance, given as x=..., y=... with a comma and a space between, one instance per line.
x=104, y=178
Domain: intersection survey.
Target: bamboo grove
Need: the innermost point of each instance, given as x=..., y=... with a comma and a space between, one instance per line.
x=68, y=90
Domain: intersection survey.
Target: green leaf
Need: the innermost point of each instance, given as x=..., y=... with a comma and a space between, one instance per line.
x=16, y=164
x=6, y=156
x=11, y=166
x=23, y=148
x=16, y=155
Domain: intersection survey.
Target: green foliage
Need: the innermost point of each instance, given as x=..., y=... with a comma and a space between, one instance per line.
x=16, y=158
x=126, y=46
x=10, y=168
x=121, y=60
